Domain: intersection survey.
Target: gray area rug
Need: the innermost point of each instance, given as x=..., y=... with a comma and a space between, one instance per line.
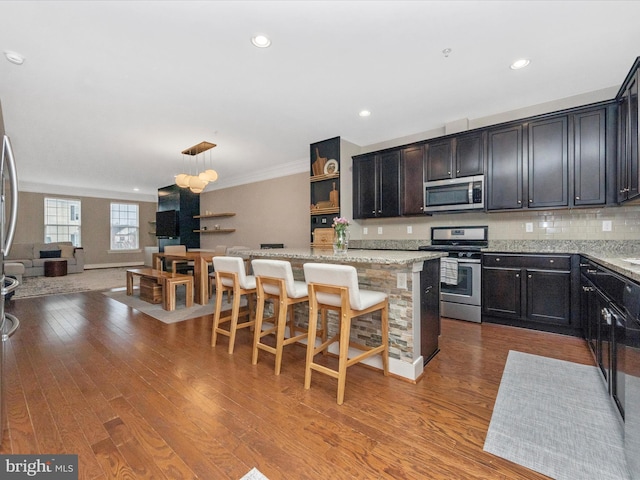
x=96, y=279
x=556, y=418
x=156, y=311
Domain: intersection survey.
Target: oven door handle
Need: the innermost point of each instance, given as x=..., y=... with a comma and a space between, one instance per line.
x=468, y=260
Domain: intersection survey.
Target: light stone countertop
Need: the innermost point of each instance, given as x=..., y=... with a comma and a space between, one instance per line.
x=388, y=257
x=608, y=253
x=619, y=265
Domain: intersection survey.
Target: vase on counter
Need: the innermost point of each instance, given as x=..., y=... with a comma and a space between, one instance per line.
x=340, y=240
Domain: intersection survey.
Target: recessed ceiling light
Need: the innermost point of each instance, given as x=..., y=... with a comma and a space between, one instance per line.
x=518, y=64
x=261, y=41
x=364, y=113
x=14, y=57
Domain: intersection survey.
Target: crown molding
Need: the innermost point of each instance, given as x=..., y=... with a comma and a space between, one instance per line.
x=84, y=192
x=290, y=168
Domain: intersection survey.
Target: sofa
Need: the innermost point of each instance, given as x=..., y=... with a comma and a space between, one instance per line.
x=33, y=255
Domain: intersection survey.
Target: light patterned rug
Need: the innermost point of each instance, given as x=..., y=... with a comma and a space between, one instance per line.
x=96, y=279
x=156, y=311
x=556, y=418
x=254, y=474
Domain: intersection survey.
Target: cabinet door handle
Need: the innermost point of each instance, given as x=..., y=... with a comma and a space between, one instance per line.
x=457, y=171
x=530, y=201
x=591, y=270
x=551, y=261
x=497, y=259
x=449, y=173
x=517, y=275
x=519, y=202
x=529, y=276
x=577, y=198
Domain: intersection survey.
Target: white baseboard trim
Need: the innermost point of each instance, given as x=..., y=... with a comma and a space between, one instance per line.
x=94, y=266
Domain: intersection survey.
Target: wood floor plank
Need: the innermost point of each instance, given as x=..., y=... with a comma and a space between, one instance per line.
x=167, y=460
x=20, y=437
x=47, y=435
x=113, y=463
x=138, y=398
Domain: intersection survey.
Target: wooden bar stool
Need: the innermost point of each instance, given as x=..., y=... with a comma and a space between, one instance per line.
x=335, y=287
x=274, y=281
x=231, y=278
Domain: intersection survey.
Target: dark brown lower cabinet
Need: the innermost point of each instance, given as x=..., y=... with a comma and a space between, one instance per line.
x=531, y=291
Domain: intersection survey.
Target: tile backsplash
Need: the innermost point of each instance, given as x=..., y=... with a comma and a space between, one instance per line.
x=619, y=223
x=611, y=223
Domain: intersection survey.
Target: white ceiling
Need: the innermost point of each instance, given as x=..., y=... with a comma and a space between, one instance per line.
x=111, y=92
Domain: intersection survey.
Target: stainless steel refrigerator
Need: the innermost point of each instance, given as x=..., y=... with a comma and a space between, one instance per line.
x=8, y=216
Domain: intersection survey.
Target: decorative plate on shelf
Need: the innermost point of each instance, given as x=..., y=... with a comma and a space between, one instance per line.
x=331, y=167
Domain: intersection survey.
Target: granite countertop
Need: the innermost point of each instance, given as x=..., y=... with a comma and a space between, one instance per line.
x=608, y=253
x=619, y=265
x=397, y=257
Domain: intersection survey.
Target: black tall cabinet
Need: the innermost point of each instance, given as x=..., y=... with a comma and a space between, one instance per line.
x=429, y=309
x=187, y=204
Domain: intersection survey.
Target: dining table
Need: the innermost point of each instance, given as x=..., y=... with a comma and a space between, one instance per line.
x=201, y=260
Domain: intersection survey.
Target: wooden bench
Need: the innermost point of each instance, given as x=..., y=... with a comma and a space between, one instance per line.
x=168, y=283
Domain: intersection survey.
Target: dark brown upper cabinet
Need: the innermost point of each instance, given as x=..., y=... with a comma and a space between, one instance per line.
x=548, y=163
x=504, y=168
x=628, y=161
x=589, y=157
x=544, y=160
x=459, y=156
x=553, y=161
x=412, y=183
x=376, y=182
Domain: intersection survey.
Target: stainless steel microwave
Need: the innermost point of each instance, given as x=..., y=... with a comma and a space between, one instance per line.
x=466, y=193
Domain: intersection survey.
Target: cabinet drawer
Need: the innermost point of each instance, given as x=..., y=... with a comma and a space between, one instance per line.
x=546, y=262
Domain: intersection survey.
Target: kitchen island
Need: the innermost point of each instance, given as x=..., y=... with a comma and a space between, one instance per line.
x=397, y=273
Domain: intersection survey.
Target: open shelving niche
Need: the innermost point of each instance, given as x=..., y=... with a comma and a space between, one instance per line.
x=215, y=215
x=325, y=186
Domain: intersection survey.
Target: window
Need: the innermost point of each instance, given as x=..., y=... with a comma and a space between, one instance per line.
x=125, y=226
x=62, y=221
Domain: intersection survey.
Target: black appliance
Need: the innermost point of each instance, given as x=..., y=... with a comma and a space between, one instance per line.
x=461, y=281
x=616, y=304
x=167, y=224
x=631, y=374
x=465, y=193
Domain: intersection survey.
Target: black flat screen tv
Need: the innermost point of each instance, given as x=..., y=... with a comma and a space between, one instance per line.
x=167, y=224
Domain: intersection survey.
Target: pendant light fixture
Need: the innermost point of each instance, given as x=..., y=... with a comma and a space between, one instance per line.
x=197, y=182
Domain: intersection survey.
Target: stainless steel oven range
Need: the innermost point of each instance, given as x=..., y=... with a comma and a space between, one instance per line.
x=460, y=271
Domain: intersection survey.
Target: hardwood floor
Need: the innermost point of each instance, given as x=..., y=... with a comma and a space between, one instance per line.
x=136, y=398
